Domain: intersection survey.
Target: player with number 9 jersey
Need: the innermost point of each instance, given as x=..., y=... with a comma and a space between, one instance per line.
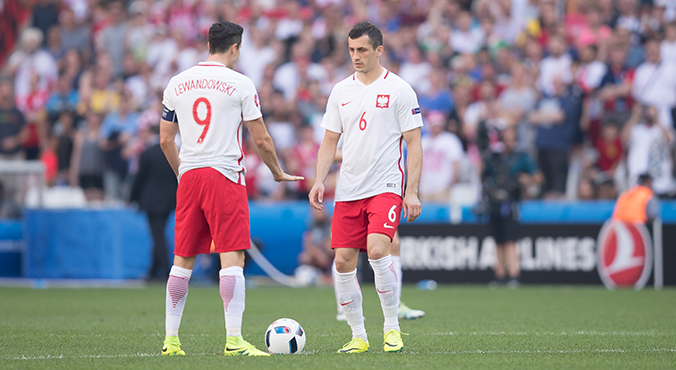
x=209, y=103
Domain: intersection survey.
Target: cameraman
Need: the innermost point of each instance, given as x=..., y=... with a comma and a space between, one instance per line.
x=506, y=174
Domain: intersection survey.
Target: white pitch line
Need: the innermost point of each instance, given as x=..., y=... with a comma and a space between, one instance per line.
x=563, y=333
x=477, y=352
x=450, y=333
x=547, y=352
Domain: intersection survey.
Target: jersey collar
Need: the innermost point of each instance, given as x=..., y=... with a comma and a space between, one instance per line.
x=382, y=76
x=211, y=64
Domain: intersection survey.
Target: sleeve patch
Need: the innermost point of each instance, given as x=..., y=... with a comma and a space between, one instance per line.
x=415, y=111
x=168, y=115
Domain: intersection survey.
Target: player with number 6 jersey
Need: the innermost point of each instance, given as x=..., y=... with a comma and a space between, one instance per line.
x=375, y=111
x=208, y=103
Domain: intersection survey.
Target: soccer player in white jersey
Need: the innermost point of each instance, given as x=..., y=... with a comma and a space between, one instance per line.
x=208, y=103
x=375, y=110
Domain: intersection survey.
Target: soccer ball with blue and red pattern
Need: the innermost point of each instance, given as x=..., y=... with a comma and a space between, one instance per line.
x=285, y=336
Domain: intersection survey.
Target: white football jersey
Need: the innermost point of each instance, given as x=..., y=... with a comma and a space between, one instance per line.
x=371, y=119
x=210, y=101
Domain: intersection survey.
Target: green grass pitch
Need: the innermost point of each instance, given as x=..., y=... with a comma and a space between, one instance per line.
x=466, y=327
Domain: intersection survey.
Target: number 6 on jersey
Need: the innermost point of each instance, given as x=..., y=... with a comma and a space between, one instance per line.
x=206, y=121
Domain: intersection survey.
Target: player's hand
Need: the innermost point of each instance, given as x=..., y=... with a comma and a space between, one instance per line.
x=287, y=177
x=412, y=207
x=317, y=196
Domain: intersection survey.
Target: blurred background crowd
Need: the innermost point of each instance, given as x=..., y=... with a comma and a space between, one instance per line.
x=588, y=86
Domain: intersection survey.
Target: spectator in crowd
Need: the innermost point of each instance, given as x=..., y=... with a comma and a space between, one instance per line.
x=256, y=54
x=416, y=69
x=586, y=189
x=289, y=76
x=73, y=35
x=112, y=37
x=606, y=188
x=595, y=32
x=591, y=71
x=154, y=190
x=439, y=96
x=31, y=61
x=62, y=98
x=556, y=119
x=609, y=148
x=139, y=30
x=668, y=45
x=480, y=110
x=279, y=124
x=648, y=143
x=102, y=97
x=63, y=132
x=505, y=175
x=87, y=162
x=655, y=83
x=32, y=106
x=465, y=38
x=615, y=92
x=556, y=66
x=45, y=15
x=12, y=123
x=118, y=128
x=317, y=256
x=519, y=99
x=443, y=152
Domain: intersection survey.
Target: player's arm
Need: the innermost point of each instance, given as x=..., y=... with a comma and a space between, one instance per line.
x=411, y=205
x=168, y=130
x=266, y=150
x=325, y=158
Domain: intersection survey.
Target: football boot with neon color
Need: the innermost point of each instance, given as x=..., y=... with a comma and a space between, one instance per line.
x=406, y=313
x=172, y=347
x=237, y=346
x=356, y=345
x=393, y=342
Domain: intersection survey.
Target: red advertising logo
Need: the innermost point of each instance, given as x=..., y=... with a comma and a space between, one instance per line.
x=624, y=255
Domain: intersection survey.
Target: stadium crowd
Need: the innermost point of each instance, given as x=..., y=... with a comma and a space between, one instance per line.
x=589, y=86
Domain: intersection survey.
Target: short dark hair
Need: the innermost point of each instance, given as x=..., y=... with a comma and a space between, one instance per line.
x=223, y=35
x=367, y=28
x=644, y=178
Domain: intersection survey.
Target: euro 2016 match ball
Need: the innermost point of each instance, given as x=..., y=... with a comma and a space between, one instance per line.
x=285, y=336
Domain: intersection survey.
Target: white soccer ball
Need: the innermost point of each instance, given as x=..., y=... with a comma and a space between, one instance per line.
x=285, y=336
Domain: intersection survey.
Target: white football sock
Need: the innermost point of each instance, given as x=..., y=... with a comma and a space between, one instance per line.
x=387, y=285
x=177, y=293
x=233, y=292
x=333, y=275
x=350, y=299
x=396, y=261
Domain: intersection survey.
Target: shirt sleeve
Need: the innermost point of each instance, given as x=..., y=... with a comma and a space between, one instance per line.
x=408, y=109
x=251, y=106
x=167, y=97
x=331, y=119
